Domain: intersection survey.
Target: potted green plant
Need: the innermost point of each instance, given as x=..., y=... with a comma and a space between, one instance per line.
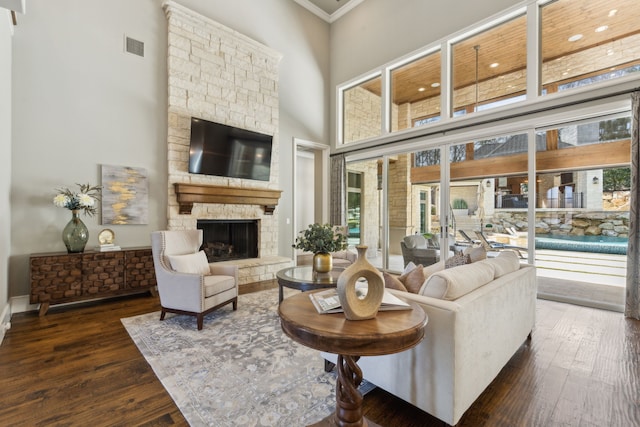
x=321, y=240
x=460, y=207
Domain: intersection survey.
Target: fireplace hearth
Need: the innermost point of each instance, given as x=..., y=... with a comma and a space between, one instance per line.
x=229, y=239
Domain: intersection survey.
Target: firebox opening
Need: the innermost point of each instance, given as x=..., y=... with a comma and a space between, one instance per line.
x=229, y=239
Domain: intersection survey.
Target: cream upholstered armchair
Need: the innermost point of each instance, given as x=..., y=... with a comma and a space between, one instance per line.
x=187, y=283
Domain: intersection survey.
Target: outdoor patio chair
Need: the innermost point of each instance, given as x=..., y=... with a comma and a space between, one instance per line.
x=512, y=231
x=415, y=248
x=468, y=240
x=497, y=246
x=424, y=256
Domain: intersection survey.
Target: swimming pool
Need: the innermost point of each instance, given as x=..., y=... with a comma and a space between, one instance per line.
x=597, y=244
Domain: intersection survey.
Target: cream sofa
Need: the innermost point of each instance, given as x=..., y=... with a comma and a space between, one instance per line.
x=473, y=330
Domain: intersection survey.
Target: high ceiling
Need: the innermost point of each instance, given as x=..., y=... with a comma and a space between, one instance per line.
x=503, y=46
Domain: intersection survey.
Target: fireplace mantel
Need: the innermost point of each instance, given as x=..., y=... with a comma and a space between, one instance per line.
x=188, y=194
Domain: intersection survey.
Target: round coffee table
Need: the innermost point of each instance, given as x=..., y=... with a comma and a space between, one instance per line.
x=389, y=332
x=303, y=278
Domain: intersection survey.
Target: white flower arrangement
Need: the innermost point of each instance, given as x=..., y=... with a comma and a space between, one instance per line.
x=85, y=199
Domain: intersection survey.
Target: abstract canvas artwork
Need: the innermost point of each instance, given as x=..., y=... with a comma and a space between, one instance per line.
x=125, y=195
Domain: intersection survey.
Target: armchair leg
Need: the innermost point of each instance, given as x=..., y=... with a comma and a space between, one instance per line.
x=200, y=320
x=162, y=313
x=235, y=304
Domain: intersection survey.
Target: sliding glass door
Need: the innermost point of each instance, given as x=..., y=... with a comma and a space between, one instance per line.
x=558, y=196
x=582, y=210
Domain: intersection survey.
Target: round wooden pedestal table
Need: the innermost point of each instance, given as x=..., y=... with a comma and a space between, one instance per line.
x=389, y=332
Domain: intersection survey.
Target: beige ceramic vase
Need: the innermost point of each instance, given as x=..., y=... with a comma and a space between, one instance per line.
x=322, y=262
x=355, y=307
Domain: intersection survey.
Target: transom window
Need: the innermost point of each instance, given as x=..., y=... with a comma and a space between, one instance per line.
x=582, y=43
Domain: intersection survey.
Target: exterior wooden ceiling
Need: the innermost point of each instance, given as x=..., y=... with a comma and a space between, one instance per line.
x=506, y=46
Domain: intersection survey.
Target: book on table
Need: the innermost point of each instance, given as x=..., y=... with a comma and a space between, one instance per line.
x=108, y=247
x=327, y=301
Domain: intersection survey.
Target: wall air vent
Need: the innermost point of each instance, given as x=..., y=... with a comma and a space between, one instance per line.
x=134, y=46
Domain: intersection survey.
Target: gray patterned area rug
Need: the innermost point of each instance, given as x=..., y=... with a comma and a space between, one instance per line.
x=240, y=370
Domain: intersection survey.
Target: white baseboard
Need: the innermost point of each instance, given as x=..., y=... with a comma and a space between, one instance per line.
x=5, y=321
x=20, y=304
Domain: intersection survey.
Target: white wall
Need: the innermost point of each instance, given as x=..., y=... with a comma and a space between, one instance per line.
x=379, y=31
x=79, y=102
x=5, y=160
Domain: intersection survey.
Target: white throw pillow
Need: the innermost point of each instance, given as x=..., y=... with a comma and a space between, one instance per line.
x=452, y=283
x=435, y=291
x=191, y=263
x=433, y=268
x=506, y=262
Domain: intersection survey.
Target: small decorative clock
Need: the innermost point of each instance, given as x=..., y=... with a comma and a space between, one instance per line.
x=106, y=237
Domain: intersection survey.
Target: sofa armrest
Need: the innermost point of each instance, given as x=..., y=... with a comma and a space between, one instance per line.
x=426, y=302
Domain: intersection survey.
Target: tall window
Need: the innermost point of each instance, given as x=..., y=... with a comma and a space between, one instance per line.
x=489, y=68
x=571, y=160
x=582, y=43
x=354, y=205
x=588, y=41
x=424, y=211
x=415, y=92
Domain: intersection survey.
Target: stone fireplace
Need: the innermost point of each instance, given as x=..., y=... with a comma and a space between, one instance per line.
x=220, y=75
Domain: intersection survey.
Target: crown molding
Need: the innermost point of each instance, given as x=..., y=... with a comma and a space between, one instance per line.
x=324, y=15
x=314, y=9
x=15, y=5
x=344, y=10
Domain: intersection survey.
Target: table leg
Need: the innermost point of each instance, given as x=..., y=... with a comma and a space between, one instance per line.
x=348, y=398
x=44, y=307
x=280, y=293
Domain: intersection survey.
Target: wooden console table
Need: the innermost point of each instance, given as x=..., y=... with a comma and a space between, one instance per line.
x=60, y=277
x=389, y=332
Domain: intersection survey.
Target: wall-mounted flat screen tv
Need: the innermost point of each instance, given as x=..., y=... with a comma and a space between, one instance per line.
x=221, y=150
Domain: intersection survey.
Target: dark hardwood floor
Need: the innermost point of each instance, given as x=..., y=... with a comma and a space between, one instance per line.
x=77, y=366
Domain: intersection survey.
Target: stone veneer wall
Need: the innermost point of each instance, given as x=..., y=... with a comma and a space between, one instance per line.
x=220, y=75
x=566, y=222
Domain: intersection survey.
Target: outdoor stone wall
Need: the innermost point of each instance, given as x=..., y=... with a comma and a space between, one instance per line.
x=220, y=75
x=399, y=189
x=362, y=118
x=577, y=223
